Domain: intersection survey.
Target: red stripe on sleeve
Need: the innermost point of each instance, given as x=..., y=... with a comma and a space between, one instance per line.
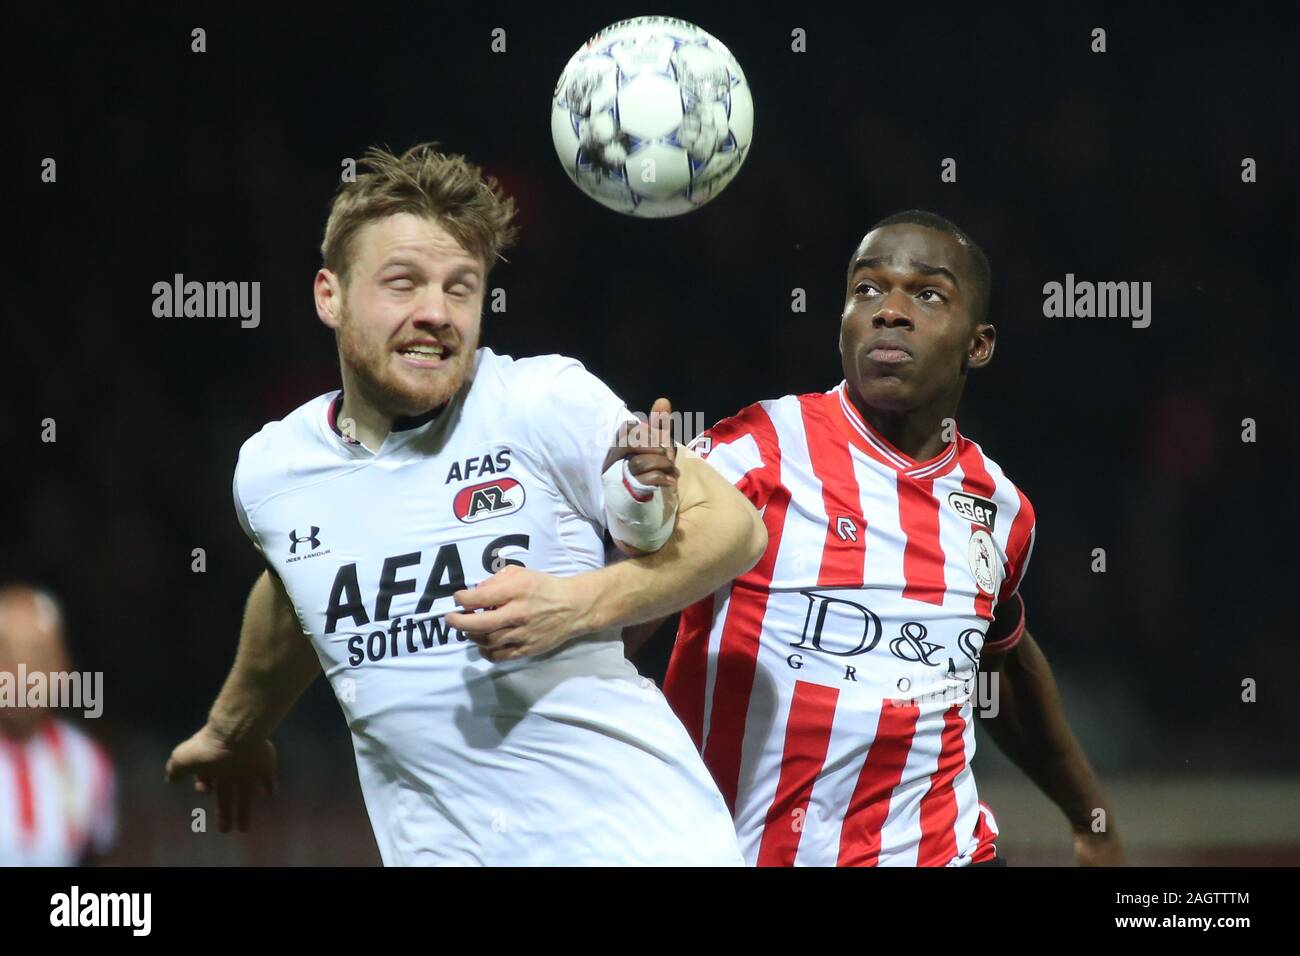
x=1011, y=638
x=845, y=547
x=939, y=805
x=1019, y=540
x=807, y=738
x=758, y=483
x=881, y=773
x=918, y=515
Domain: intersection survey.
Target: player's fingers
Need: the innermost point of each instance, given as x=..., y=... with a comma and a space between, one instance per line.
x=225, y=799
x=642, y=463
x=243, y=805
x=494, y=591
x=477, y=626
x=657, y=478
x=504, y=651
x=645, y=436
x=202, y=785
x=661, y=422
x=472, y=599
x=648, y=461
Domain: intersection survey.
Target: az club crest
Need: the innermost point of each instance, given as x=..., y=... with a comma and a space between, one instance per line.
x=502, y=496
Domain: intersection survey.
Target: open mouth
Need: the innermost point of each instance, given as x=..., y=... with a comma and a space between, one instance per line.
x=424, y=355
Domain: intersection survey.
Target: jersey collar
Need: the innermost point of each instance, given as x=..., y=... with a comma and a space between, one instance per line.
x=859, y=431
x=401, y=424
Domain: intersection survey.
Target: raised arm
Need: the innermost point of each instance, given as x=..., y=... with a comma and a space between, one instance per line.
x=1031, y=728
x=274, y=664
x=718, y=536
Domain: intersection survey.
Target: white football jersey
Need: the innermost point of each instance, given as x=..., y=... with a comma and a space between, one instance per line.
x=567, y=758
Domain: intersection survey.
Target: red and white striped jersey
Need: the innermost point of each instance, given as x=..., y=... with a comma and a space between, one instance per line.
x=829, y=688
x=57, y=800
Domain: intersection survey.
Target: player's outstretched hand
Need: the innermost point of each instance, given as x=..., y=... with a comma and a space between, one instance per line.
x=519, y=612
x=232, y=771
x=1098, y=849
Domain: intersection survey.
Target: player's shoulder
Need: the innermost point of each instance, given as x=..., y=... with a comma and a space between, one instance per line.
x=764, y=420
x=527, y=375
x=1007, y=493
x=554, y=391
x=264, y=459
x=66, y=735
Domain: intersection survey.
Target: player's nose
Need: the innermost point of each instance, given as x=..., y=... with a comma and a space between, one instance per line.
x=892, y=312
x=431, y=307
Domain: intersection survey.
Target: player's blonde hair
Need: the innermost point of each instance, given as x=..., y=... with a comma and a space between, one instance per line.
x=447, y=188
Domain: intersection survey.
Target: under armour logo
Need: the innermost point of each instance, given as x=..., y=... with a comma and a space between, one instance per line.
x=293, y=537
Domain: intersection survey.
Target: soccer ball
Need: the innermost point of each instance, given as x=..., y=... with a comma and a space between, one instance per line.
x=652, y=117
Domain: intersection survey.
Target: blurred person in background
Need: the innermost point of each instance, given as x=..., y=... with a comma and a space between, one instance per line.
x=57, y=787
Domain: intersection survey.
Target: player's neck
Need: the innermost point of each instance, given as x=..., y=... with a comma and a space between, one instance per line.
x=362, y=420
x=919, y=433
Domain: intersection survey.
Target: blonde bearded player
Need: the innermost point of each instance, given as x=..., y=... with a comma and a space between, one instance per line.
x=435, y=530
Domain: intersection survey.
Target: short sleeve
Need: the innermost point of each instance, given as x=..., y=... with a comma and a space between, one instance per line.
x=1020, y=546
x=241, y=514
x=744, y=450
x=1007, y=628
x=574, y=418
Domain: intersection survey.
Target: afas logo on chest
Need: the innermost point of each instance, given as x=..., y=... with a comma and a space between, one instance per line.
x=479, y=466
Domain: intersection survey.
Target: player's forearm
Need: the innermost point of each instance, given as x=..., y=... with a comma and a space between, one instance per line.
x=274, y=664
x=719, y=536
x=1031, y=728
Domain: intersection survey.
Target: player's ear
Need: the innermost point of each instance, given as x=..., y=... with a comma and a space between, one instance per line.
x=982, y=344
x=327, y=291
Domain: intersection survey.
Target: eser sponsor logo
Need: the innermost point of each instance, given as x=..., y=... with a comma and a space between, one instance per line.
x=979, y=510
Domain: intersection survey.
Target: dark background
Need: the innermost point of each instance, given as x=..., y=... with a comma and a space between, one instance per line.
x=1122, y=166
